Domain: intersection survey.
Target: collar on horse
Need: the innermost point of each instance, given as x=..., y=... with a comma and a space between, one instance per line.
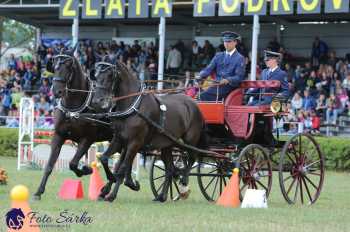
x=131, y=109
x=76, y=111
x=117, y=114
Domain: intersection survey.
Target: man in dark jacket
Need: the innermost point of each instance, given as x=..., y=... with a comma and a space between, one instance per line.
x=229, y=68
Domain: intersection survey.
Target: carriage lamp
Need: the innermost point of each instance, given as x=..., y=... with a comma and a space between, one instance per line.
x=276, y=106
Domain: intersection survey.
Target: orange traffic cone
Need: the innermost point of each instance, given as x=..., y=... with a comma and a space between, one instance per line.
x=96, y=182
x=71, y=190
x=230, y=196
x=17, y=219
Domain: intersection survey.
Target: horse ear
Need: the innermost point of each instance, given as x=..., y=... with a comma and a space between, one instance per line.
x=117, y=64
x=101, y=58
x=57, y=51
x=107, y=59
x=73, y=50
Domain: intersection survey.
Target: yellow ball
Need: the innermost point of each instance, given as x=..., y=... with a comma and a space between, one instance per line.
x=94, y=164
x=19, y=193
x=235, y=170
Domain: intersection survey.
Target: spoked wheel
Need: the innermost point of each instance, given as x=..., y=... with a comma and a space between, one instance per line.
x=255, y=169
x=301, y=170
x=157, y=176
x=213, y=175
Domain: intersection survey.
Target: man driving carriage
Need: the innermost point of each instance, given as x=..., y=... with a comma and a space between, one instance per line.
x=228, y=67
x=271, y=72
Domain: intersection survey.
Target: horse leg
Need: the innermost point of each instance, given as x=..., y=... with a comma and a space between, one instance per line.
x=114, y=147
x=144, y=160
x=183, y=187
x=124, y=167
x=129, y=181
x=107, y=188
x=56, y=145
x=166, y=156
x=83, y=147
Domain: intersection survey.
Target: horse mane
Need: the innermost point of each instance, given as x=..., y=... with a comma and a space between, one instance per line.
x=77, y=66
x=124, y=69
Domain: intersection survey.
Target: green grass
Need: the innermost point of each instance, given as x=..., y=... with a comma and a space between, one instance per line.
x=135, y=211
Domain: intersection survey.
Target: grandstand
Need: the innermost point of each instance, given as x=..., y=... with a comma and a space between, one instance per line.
x=293, y=35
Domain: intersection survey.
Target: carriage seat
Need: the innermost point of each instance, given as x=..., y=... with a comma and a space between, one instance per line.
x=214, y=112
x=241, y=118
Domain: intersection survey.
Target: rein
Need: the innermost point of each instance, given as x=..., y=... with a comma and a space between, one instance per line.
x=172, y=90
x=76, y=111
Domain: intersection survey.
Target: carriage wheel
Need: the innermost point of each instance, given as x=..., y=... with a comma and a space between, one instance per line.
x=301, y=169
x=157, y=176
x=213, y=175
x=255, y=169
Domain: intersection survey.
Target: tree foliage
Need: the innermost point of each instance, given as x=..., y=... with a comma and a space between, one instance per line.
x=16, y=34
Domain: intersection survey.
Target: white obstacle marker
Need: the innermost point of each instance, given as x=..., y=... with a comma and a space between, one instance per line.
x=254, y=198
x=36, y=151
x=32, y=150
x=25, y=132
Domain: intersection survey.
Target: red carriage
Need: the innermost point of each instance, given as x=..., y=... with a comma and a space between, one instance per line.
x=241, y=136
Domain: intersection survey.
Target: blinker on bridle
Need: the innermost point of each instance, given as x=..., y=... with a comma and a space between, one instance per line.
x=61, y=59
x=102, y=67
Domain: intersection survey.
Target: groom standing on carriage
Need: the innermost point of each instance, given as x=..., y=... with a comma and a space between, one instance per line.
x=229, y=69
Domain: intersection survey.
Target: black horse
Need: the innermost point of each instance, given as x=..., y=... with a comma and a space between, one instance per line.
x=146, y=122
x=75, y=91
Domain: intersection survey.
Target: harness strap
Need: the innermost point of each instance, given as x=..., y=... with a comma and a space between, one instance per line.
x=131, y=109
x=107, y=124
x=75, y=112
x=163, y=110
x=179, y=141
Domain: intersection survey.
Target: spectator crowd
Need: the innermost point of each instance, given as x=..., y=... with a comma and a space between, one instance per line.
x=319, y=85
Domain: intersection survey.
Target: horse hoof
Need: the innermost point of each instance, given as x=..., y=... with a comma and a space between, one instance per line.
x=185, y=195
x=159, y=199
x=100, y=198
x=137, y=185
x=132, y=186
x=86, y=170
x=36, y=197
x=105, y=190
x=109, y=198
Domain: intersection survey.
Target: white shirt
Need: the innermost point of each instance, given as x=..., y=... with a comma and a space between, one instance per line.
x=231, y=52
x=195, y=50
x=273, y=69
x=174, y=59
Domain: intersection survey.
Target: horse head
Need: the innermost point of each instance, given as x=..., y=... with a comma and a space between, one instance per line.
x=65, y=67
x=107, y=75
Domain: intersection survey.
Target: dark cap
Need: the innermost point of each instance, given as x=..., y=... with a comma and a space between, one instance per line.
x=272, y=55
x=228, y=36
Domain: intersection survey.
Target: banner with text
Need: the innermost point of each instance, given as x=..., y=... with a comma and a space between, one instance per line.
x=92, y=9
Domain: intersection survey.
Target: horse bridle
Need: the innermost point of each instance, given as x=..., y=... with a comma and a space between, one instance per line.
x=64, y=58
x=101, y=67
x=72, y=112
x=116, y=72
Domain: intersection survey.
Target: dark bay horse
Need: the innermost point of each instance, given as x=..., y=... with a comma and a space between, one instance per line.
x=179, y=115
x=75, y=92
